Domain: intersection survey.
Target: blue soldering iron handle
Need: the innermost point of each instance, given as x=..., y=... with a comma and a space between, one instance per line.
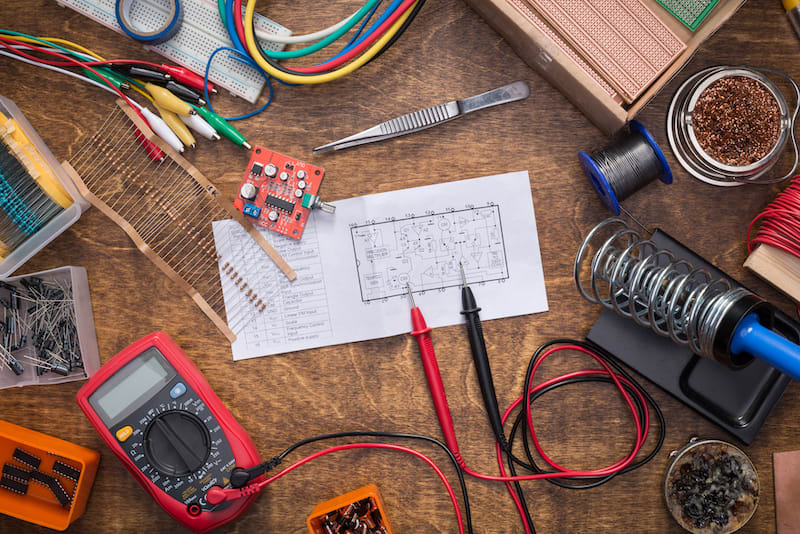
x=752, y=337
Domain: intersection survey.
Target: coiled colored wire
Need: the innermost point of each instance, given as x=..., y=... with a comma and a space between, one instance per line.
x=636, y=393
x=636, y=401
x=387, y=30
x=779, y=222
x=208, y=97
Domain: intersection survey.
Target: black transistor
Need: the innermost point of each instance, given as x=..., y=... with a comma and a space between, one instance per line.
x=256, y=169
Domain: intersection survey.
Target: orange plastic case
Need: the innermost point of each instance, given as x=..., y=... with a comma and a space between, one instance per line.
x=39, y=505
x=317, y=516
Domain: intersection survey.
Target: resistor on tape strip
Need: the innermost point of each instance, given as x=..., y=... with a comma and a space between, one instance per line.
x=155, y=37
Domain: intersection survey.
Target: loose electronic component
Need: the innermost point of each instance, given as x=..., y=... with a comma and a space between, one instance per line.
x=169, y=210
x=154, y=409
x=12, y=471
x=286, y=203
x=60, y=493
x=41, y=478
x=27, y=458
x=13, y=485
x=65, y=470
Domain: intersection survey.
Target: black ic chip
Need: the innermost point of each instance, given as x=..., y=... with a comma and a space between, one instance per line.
x=16, y=473
x=13, y=485
x=66, y=471
x=26, y=458
x=279, y=203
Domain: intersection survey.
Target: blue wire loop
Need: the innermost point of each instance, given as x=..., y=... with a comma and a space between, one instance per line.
x=249, y=62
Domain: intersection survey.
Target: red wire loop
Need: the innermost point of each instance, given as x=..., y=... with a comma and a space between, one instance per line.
x=262, y=484
x=780, y=222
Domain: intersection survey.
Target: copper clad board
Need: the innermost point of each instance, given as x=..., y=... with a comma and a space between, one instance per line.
x=622, y=39
x=536, y=19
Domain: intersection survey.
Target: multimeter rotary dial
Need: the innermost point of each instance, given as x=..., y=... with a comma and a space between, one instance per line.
x=177, y=443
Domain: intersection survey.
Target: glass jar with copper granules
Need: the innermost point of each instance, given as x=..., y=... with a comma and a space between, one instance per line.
x=729, y=125
x=711, y=487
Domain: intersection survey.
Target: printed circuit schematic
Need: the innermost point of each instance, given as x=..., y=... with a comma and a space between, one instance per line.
x=425, y=251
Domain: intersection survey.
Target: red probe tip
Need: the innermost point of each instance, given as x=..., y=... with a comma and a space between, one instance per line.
x=216, y=495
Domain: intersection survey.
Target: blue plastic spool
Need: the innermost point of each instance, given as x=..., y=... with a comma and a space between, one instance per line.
x=599, y=180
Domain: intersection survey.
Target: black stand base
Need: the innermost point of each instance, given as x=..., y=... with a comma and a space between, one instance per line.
x=738, y=401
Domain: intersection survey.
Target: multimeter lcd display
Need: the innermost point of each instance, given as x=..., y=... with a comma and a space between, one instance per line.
x=135, y=382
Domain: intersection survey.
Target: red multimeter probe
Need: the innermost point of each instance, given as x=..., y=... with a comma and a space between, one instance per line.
x=154, y=409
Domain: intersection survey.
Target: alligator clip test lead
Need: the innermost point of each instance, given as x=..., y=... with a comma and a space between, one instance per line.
x=186, y=77
x=421, y=331
x=133, y=71
x=184, y=93
x=470, y=311
x=223, y=127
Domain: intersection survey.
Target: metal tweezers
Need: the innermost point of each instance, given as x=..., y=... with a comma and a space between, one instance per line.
x=428, y=117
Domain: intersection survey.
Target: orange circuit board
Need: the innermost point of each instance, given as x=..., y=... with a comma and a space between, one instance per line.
x=279, y=192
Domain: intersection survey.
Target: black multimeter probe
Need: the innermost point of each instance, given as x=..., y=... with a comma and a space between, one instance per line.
x=470, y=311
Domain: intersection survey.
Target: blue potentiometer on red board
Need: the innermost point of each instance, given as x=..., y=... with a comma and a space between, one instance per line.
x=279, y=192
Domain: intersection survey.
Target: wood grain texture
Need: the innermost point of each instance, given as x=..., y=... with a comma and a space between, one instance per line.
x=448, y=53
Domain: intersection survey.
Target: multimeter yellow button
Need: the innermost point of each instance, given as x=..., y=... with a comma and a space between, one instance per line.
x=124, y=433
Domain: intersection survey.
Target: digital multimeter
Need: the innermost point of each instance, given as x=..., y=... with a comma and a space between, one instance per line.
x=158, y=414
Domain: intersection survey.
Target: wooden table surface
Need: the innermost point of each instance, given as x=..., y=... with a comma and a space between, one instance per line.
x=449, y=52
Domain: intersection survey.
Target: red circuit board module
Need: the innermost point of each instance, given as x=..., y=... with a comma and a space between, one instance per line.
x=279, y=192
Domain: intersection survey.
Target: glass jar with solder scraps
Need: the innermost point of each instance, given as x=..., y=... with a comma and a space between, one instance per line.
x=729, y=125
x=711, y=487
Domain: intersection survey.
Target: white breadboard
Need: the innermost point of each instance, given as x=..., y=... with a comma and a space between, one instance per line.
x=201, y=33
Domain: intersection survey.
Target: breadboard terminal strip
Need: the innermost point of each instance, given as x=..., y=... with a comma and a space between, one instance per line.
x=167, y=208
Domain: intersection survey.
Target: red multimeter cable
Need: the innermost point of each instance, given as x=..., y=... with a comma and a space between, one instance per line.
x=422, y=333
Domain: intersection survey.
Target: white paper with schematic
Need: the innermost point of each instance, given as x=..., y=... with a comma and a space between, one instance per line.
x=352, y=267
